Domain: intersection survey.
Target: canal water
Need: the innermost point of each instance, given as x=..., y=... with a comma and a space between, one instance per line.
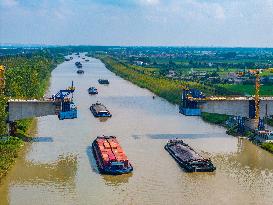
x=59, y=168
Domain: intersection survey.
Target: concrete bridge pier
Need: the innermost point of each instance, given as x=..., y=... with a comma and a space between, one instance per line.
x=23, y=109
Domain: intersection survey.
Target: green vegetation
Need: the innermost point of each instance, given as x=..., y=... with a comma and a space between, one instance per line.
x=3, y=115
x=27, y=76
x=269, y=121
x=266, y=90
x=9, y=147
x=214, y=118
x=267, y=146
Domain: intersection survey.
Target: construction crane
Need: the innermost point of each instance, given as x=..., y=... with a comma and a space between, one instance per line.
x=258, y=122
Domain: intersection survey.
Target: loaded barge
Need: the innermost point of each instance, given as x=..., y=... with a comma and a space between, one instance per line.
x=187, y=158
x=110, y=157
x=99, y=110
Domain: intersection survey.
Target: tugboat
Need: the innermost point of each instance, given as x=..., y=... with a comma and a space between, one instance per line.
x=92, y=90
x=103, y=81
x=110, y=157
x=187, y=158
x=99, y=110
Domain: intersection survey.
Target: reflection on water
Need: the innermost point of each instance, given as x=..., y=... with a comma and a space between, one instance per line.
x=59, y=174
x=103, y=119
x=183, y=136
x=116, y=180
x=62, y=171
x=92, y=160
x=42, y=139
x=59, y=167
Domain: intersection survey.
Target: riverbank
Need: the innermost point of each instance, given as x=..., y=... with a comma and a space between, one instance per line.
x=10, y=145
x=165, y=88
x=26, y=77
x=171, y=91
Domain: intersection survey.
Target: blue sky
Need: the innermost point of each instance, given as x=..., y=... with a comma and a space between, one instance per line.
x=138, y=22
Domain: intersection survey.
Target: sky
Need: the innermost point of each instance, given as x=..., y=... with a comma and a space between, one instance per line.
x=232, y=23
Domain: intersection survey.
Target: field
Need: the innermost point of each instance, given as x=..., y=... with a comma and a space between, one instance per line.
x=266, y=90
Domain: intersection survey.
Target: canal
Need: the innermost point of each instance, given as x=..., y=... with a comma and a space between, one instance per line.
x=58, y=166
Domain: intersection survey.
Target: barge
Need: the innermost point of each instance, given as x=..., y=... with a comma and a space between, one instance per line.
x=99, y=110
x=110, y=157
x=103, y=81
x=187, y=158
x=92, y=91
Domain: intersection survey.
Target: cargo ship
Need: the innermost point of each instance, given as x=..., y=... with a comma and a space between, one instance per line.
x=99, y=110
x=103, y=81
x=187, y=158
x=110, y=157
x=92, y=90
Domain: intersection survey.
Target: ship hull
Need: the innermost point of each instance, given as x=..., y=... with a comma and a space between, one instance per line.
x=97, y=114
x=187, y=166
x=107, y=169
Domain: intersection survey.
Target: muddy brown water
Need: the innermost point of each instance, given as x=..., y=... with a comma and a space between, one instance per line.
x=59, y=168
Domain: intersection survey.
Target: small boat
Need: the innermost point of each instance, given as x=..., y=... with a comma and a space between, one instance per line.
x=92, y=90
x=110, y=157
x=99, y=110
x=78, y=64
x=86, y=60
x=187, y=158
x=80, y=71
x=103, y=81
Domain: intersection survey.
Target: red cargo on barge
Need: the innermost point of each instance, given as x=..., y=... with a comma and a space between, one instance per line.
x=110, y=157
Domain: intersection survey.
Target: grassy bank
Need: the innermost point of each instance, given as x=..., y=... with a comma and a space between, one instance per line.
x=214, y=118
x=267, y=146
x=9, y=147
